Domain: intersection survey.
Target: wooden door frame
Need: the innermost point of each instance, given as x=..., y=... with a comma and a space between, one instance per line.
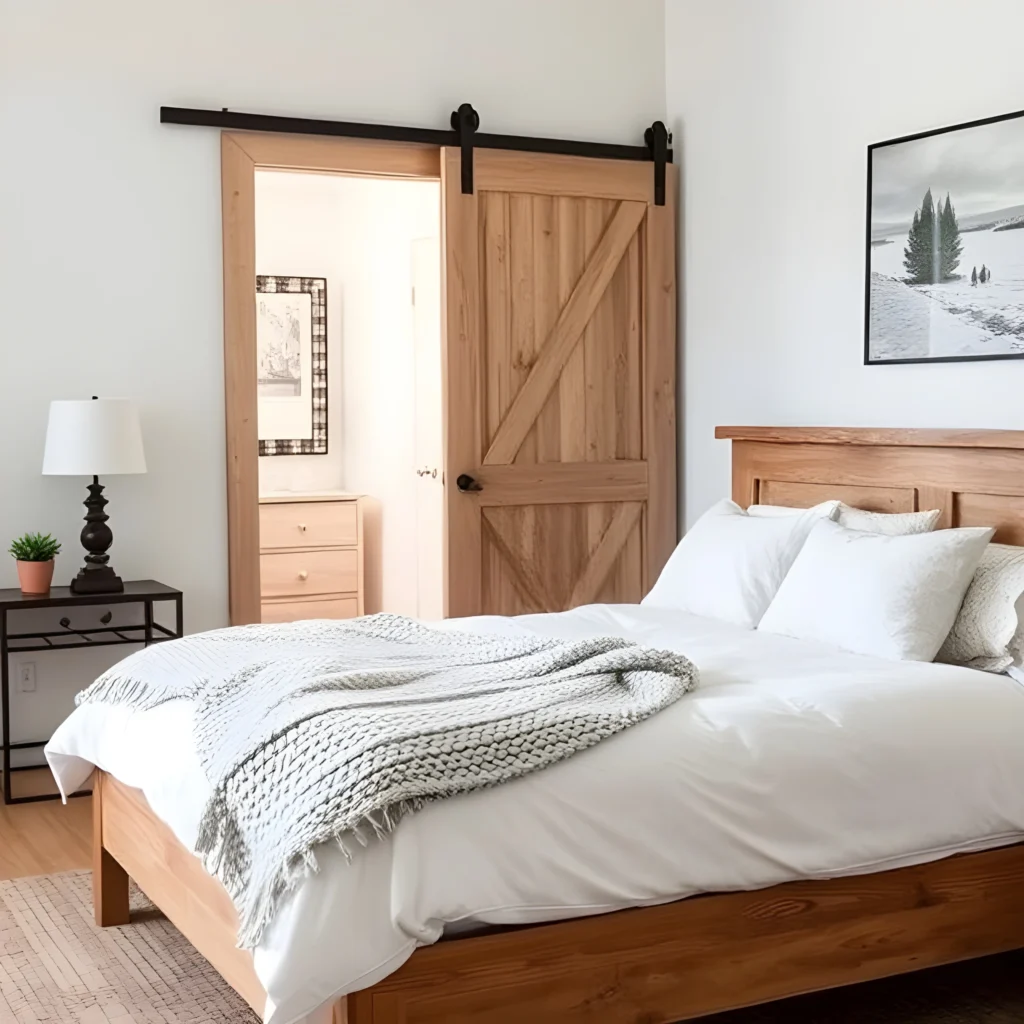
x=241, y=155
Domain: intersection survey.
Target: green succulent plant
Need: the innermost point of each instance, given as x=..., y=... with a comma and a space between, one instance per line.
x=34, y=547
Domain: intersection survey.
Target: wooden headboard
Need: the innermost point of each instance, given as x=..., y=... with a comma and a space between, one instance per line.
x=975, y=476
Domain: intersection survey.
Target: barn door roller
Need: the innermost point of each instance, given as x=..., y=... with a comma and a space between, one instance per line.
x=657, y=139
x=465, y=122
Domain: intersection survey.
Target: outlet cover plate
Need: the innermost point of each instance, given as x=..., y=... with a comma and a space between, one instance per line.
x=27, y=677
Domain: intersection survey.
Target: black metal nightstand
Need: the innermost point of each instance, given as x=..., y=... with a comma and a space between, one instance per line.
x=144, y=592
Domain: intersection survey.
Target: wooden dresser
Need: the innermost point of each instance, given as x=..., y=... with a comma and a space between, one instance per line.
x=311, y=556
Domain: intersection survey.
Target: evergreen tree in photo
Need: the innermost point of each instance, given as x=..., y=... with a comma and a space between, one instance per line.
x=934, y=246
x=921, y=244
x=974, y=276
x=983, y=276
x=913, y=251
x=951, y=245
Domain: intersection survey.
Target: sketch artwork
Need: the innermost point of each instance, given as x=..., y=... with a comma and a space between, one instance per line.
x=946, y=245
x=281, y=321
x=291, y=365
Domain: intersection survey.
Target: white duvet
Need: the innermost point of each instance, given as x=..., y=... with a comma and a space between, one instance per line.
x=791, y=760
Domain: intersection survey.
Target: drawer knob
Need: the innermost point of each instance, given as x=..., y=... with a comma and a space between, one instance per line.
x=302, y=527
x=303, y=575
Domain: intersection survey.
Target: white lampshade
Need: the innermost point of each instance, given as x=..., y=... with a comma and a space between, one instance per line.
x=100, y=437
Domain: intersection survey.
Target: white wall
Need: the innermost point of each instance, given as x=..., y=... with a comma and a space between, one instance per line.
x=110, y=260
x=773, y=106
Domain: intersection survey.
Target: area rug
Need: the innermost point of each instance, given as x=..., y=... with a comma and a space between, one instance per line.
x=57, y=967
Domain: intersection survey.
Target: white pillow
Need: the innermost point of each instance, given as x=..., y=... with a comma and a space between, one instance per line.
x=893, y=597
x=988, y=623
x=1015, y=670
x=772, y=511
x=729, y=564
x=891, y=524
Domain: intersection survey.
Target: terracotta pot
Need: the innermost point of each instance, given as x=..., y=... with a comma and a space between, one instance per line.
x=35, y=577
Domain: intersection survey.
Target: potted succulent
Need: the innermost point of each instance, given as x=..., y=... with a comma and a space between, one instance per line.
x=35, y=553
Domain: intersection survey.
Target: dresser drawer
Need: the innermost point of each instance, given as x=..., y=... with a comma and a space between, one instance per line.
x=298, y=573
x=316, y=608
x=308, y=524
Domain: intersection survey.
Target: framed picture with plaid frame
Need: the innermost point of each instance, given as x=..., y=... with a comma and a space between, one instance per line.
x=291, y=364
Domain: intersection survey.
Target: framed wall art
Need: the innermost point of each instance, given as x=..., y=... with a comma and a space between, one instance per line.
x=291, y=365
x=945, y=244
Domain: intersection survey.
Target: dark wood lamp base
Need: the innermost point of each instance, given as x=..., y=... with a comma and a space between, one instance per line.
x=100, y=579
x=96, y=577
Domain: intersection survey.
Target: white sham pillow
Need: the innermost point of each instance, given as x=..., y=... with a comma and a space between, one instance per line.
x=891, y=597
x=729, y=565
x=773, y=511
x=988, y=623
x=891, y=524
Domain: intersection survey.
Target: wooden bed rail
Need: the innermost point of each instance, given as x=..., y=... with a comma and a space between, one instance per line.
x=656, y=964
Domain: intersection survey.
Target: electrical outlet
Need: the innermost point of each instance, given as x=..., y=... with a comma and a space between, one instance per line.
x=27, y=677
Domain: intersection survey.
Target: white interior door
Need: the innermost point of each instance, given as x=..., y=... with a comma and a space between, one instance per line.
x=426, y=298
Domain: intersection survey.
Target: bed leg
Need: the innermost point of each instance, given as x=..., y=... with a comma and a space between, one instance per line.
x=357, y=1008
x=109, y=879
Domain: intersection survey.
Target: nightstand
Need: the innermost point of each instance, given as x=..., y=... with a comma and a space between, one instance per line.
x=138, y=592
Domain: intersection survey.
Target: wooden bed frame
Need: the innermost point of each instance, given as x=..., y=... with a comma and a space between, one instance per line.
x=704, y=954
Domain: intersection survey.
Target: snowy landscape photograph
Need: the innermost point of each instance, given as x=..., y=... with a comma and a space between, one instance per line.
x=946, y=245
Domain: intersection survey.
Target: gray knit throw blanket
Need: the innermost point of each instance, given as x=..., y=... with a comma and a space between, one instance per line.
x=323, y=730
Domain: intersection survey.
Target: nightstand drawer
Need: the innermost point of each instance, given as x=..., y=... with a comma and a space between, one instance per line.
x=316, y=608
x=297, y=573
x=308, y=524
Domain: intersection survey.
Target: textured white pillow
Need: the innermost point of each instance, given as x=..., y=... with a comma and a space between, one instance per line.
x=893, y=597
x=891, y=524
x=729, y=564
x=988, y=622
x=1015, y=670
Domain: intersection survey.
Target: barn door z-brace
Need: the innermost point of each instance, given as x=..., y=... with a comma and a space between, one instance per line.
x=464, y=133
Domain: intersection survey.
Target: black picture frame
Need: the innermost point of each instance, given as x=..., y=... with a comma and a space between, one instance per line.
x=871, y=151
x=316, y=287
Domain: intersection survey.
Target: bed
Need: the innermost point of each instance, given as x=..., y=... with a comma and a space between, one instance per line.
x=856, y=838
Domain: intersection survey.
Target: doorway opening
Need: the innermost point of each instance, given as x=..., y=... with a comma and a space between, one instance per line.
x=349, y=406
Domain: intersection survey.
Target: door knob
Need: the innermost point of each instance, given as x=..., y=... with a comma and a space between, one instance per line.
x=303, y=575
x=302, y=527
x=466, y=483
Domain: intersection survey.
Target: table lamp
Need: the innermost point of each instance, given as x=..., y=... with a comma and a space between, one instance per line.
x=94, y=438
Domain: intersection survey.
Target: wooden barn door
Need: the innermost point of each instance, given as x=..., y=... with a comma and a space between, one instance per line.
x=560, y=365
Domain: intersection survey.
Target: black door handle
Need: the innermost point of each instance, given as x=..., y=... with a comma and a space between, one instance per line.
x=466, y=483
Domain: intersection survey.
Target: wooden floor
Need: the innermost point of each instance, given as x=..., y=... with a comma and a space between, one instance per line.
x=41, y=838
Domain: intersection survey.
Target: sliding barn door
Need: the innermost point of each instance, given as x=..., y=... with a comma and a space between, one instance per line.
x=560, y=366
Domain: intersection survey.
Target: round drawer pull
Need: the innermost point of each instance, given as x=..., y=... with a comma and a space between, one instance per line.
x=303, y=575
x=302, y=527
